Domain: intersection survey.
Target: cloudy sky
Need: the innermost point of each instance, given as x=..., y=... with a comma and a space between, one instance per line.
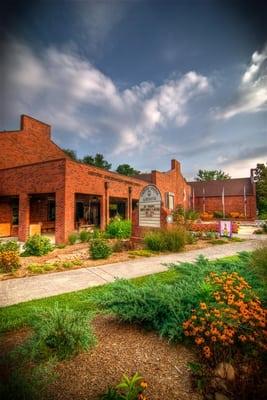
x=141, y=81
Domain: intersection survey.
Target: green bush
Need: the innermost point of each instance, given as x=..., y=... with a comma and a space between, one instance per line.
x=9, y=246
x=9, y=260
x=218, y=214
x=165, y=306
x=58, y=332
x=119, y=228
x=100, y=248
x=259, y=262
x=73, y=237
x=28, y=383
x=85, y=236
x=37, y=245
x=166, y=240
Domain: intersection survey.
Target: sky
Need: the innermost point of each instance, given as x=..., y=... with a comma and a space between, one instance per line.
x=141, y=81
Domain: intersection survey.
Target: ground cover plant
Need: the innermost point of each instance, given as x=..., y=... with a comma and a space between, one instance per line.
x=37, y=245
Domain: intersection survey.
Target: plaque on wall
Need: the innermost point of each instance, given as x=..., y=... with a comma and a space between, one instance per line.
x=149, y=207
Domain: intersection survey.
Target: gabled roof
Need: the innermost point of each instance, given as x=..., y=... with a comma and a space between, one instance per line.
x=232, y=187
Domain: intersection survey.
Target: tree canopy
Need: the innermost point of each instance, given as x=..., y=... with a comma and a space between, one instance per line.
x=71, y=153
x=211, y=175
x=97, y=160
x=126, y=169
x=261, y=188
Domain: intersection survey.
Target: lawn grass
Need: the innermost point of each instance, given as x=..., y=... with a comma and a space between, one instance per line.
x=23, y=314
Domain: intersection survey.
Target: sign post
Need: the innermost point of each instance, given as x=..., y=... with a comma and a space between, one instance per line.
x=149, y=207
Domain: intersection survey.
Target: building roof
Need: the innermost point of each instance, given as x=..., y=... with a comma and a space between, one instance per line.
x=232, y=187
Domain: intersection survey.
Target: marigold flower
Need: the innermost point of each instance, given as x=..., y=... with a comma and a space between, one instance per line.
x=143, y=385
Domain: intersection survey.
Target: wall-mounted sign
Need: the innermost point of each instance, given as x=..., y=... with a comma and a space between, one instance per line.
x=149, y=207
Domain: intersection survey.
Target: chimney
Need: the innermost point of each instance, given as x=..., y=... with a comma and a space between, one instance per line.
x=175, y=165
x=28, y=123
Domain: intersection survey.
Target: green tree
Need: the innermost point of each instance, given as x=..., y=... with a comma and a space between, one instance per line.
x=261, y=188
x=211, y=175
x=126, y=169
x=98, y=161
x=71, y=153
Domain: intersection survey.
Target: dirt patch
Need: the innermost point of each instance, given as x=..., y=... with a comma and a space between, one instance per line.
x=126, y=349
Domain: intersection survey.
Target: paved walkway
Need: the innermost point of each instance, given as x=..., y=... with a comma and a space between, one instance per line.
x=18, y=290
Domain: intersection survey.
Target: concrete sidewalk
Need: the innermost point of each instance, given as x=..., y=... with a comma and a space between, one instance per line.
x=18, y=290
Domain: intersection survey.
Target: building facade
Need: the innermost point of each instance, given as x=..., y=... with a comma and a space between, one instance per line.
x=40, y=184
x=226, y=196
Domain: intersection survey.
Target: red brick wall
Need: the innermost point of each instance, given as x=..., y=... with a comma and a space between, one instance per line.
x=173, y=181
x=30, y=144
x=5, y=211
x=232, y=204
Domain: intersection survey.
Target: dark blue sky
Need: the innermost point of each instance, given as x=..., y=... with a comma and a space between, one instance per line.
x=142, y=81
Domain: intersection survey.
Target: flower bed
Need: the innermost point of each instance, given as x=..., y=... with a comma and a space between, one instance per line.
x=210, y=227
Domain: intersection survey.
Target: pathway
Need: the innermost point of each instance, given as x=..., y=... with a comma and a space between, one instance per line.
x=18, y=290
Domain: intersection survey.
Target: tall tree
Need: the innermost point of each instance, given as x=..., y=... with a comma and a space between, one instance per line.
x=211, y=175
x=261, y=188
x=126, y=169
x=98, y=161
x=71, y=153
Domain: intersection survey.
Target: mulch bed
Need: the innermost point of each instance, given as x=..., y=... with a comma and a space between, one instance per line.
x=79, y=252
x=124, y=348
x=121, y=349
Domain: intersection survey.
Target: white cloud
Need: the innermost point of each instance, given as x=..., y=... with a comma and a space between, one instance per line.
x=71, y=94
x=252, y=92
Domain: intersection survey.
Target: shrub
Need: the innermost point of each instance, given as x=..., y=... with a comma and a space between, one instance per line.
x=9, y=246
x=205, y=216
x=117, y=246
x=37, y=245
x=119, y=228
x=218, y=214
x=99, y=248
x=264, y=227
x=61, y=245
x=129, y=388
x=28, y=383
x=258, y=262
x=232, y=319
x=84, y=236
x=9, y=260
x=59, y=332
x=166, y=240
x=73, y=237
x=218, y=241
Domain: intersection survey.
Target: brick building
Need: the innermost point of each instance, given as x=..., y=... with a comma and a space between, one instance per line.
x=40, y=184
x=233, y=195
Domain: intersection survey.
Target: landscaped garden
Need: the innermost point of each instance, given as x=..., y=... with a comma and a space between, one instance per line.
x=87, y=249
x=196, y=331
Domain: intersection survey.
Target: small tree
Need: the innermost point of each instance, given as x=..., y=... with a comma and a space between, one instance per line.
x=211, y=175
x=126, y=169
x=261, y=188
x=71, y=153
x=98, y=161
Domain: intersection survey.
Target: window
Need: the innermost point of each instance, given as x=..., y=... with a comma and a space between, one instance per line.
x=51, y=210
x=170, y=200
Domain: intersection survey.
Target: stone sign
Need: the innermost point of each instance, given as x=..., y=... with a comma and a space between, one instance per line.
x=149, y=207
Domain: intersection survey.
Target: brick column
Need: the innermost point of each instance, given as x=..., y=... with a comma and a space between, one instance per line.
x=65, y=210
x=103, y=213
x=130, y=204
x=106, y=197
x=24, y=216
